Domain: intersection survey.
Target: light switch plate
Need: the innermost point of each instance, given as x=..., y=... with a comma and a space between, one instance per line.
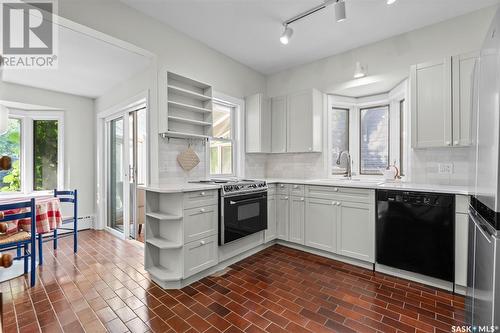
x=445, y=168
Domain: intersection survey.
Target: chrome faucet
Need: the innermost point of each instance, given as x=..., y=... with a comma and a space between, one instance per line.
x=348, y=171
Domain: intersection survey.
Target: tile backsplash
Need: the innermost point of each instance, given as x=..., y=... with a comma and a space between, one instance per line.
x=301, y=166
x=169, y=168
x=424, y=165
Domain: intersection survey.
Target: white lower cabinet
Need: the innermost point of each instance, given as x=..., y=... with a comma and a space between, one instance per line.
x=200, y=255
x=282, y=216
x=321, y=224
x=271, y=232
x=356, y=230
x=297, y=219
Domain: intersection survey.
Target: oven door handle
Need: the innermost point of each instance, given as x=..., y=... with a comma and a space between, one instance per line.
x=246, y=200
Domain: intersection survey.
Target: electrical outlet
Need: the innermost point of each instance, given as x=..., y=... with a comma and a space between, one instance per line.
x=445, y=168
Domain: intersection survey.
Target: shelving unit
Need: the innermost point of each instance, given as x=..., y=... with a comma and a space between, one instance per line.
x=181, y=235
x=164, y=236
x=189, y=108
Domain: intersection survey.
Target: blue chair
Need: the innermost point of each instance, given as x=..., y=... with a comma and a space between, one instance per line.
x=22, y=239
x=64, y=197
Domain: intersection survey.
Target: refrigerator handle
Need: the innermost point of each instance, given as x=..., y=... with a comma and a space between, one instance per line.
x=480, y=227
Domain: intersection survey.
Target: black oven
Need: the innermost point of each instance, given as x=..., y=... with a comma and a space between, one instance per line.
x=242, y=215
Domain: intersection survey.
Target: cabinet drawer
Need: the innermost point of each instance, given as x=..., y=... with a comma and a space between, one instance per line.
x=297, y=190
x=356, y=194
x=201, y=198
x=322, y=192
x=200, y=255
x=200, y=222
x=283, y=189
x=462, y=204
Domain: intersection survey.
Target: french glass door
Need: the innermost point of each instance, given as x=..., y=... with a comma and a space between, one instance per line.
x=126, y=170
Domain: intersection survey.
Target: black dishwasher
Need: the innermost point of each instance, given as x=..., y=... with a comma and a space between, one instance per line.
x=416, y=232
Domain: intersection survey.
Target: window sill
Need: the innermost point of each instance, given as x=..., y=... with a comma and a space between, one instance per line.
x=37, y=194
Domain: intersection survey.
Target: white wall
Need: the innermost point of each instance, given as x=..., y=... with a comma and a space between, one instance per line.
x=392, y=57
x=79, y=136
x=176, y=52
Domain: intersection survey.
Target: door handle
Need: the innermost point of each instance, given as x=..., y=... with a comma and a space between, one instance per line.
x=480, y=228
x=246, y=200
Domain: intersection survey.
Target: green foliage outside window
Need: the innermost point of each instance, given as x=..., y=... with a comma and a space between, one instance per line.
x=45, y=154
x=10, y=145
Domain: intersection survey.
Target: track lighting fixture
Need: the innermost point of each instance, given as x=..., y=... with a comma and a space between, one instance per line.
x=286, y=35
x=339, y=7
x=340, y=15
x=359, y=71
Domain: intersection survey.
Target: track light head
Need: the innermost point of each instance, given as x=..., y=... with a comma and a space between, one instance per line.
x=286, y=35
x=339, y=7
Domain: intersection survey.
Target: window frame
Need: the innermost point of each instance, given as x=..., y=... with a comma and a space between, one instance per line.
x=346, y=108
x=370, y=107
x=234, y=115
x=396, y=129
x=27, y=150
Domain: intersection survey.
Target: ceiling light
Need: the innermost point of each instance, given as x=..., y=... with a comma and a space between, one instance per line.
x=286, y=35
x=4, y=119
x=390, y=2
x=360, y=71
x=339, y=10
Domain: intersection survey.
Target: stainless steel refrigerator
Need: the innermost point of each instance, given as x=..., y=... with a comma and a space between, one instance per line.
x=483, y=278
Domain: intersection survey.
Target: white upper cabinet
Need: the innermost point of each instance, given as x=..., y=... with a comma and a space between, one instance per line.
x=441, y=103
x=258, y=124
x=431, y=104
x=463, y=68
x=296, y=122
x=305, y=110
x=278, y=124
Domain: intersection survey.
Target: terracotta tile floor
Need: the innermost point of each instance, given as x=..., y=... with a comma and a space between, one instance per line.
x=105, y=287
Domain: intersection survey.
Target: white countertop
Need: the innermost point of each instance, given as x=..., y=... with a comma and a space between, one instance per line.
x=178, y=188
x=358, y=183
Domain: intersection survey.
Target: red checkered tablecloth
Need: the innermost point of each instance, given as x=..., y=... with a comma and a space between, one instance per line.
x=48, y=215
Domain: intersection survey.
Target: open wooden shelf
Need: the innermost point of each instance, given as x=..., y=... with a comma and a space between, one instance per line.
x=163, y=216
x=164, y=274
x=190, y=121
x=183, y=135
x=188, y=93
x=188, y=107
x=163, y=244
